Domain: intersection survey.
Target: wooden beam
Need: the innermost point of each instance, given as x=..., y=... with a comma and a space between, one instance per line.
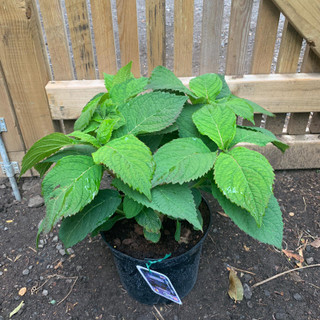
x=304, y=16
x=275, y=92
x=304, y=152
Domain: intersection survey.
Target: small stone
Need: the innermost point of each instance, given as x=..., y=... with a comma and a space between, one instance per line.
x=45, y=292
x=62, y=252
x=247, y=291
x=53, y=301
x=2, y=186
x=308, y=248
x=51, y=234
x=267, y=293
x=70, y=251
x=310, y=260
x=30, y=267
x=297, y=297
x=41, y=278
x=1, y=273
x=281, y=316
x=247, y=277
x=55, y=239
x=79, y=268
x=40, y=246
x=1, y=318
x=35, y=202
x=5, y=228
x=59, y=246
x=250, y=304
x=25, y=272
x=127, y=241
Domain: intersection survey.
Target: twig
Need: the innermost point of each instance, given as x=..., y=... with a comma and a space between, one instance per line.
x=241, y=270
x=68, y=292
x=34, y=250
x=160, y=315
x=283, y=273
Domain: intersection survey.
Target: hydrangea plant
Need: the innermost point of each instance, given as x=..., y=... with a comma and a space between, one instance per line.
x=162, y=143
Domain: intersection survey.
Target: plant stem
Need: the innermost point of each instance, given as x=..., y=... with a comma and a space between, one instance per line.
x=120, y=211
x=198, y=183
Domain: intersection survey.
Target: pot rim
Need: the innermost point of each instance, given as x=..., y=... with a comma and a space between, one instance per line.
x=194, y=248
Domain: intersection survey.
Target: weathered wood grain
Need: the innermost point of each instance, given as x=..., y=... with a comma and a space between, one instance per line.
x=183, y=37
x=156, y=33
x=25, y=68
x=104, y=38
x=238, y=37
x=81, y=39
x=128, y=34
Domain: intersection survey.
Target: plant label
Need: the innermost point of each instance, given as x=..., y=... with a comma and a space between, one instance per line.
x=159, y=284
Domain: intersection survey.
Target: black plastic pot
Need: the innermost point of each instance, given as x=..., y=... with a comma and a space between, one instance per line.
x=181, y=270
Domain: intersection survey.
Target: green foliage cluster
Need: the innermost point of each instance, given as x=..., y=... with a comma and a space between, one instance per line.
x=162, y=143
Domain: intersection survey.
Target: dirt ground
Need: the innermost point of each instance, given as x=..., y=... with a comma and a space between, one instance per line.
x=85, y=284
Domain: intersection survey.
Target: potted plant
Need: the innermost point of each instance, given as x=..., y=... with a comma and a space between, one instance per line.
x=161, y=143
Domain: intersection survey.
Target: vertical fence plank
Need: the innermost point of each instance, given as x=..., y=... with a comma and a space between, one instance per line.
x=287, y=63
x=54, y=27
x=25, y=68
x=290, y=49
x=81, y=39
x=183, y=37
x=311, y=63
x=238, y=36
x=211, y=36
x=12, y=138
x=156, y=33
x=128, y=34
x=103, y=34
x=265, y=38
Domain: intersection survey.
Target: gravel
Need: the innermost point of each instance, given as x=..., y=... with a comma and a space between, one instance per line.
x=25, y=272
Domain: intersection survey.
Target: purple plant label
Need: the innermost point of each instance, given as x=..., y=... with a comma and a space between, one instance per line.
x=159, y=284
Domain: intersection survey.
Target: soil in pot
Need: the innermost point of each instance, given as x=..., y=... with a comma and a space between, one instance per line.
x=127, y=237
x=130, y=248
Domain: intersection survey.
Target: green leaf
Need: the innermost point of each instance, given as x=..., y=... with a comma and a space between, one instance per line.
x=43, y=148
x=199, y=216
x=131, y=208
x=216, y=122
x=92, y=126
x=225, y=91
x=152, y=141
x=150, y=112
x=108, y=224
x=172, y=128
x=108, y=79
x=75, y=228
x=85, y=137
x=43, y=167
x=258, y=137
x=268, y=134
x=271, y=230
x=177, y=234
x=75, y=150
x=241, y=108
x=187, y=128
x=105, y=130
x=164, y=79
x=123, y=74
x=196, y=196
x=245, y=177
x=71, y=184
x=121, y=92
x=173, y=200
x=152, y=236
x=259, y=109
x=87, y=113
x=182, y=160
x=207, y=86
x=149, y=220
x=131, y=160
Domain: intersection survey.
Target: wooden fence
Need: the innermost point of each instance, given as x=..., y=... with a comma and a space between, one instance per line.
x=53, y=53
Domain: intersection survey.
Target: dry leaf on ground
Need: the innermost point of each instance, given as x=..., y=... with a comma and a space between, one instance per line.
x=235, y=287
x=315, y=243
x=16, y=310
x=22, y=291
x=293, y=255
